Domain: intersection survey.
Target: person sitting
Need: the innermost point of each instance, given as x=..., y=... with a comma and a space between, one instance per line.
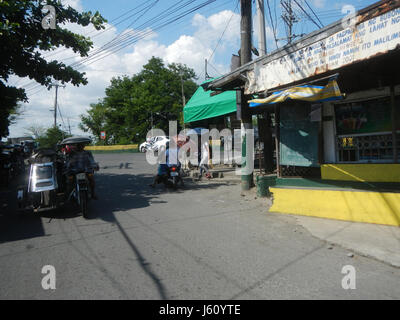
x=80, y=160
x=171, y=158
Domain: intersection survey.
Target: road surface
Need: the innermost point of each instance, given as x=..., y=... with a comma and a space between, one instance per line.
x=205, y=241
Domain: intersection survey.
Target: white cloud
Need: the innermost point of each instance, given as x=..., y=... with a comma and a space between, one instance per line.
x=191, y=50
x=319, y=3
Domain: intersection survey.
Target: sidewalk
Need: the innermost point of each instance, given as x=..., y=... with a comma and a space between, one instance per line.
x=380, y=242
x=219, y=173
x=376, y=241
x=371, y=240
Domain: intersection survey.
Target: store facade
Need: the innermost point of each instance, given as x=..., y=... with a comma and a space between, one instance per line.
x=338, y=157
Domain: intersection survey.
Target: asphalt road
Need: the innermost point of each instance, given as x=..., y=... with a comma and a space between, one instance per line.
x=204, y=241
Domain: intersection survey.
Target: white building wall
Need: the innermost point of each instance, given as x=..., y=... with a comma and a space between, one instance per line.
x=328, y=128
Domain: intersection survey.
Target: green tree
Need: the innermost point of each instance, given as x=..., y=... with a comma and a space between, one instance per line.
x=23, y=39
x=95, y=122
x=52, y=136
x=131, y=102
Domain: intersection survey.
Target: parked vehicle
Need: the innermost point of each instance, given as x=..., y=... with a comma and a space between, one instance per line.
x=51, y=186
x=146, y=145
x=41, y=191
x=159, y=141
x=154, y=143
x=5, y=167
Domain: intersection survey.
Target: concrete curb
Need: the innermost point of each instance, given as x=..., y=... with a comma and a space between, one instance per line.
x=371, y=240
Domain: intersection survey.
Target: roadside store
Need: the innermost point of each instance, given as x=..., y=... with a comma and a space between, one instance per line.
x=335, y=94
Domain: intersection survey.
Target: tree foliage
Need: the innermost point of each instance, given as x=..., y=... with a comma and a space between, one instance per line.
x=23, y=40
x=51, y=137
x=130, y=102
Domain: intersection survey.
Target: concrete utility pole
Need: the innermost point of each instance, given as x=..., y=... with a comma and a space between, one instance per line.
x=206, y=75
x=243, y=112
x=55, y=101
x=69, y=127
x=262, y=42
x=289, y=18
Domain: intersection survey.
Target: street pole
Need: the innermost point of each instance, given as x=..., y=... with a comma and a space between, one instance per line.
x=243, y=112
x=262, y=43
x=55, y=108
x=69, y=127
x=152, y=123
x=184, y=104
x=55, y=101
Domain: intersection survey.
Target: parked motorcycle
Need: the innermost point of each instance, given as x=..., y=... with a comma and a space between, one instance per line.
x=5, y=169
x=50, y=187
x=42, y=190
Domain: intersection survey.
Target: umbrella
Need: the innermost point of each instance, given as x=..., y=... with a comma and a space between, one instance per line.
x=197, y=131
x=75, y=140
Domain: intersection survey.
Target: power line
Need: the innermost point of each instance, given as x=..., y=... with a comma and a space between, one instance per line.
x=272, y=24
x=113, y=44
x=137, y=38
x=313, y=13
x=227, y=25
x=306, y=13
x=214, y=68
x=125, y=40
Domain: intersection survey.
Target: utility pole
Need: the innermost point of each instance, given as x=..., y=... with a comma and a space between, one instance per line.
x=206, y=75
x=152, y=133
x=289, y=19
x=69, y=127
x=183, y=92
x=243, y=112
x=262, y=43
x=184, y=104
x=55, y=101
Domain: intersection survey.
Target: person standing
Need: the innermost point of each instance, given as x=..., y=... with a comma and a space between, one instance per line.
x=205, y=155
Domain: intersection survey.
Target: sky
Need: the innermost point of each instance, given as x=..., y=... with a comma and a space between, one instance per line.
x=212, y=32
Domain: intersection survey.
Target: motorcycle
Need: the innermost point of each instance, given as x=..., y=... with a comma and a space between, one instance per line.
x=5, y=172
x=81, y=191
x=174, y=175
x=41, y=192
x=50, y=188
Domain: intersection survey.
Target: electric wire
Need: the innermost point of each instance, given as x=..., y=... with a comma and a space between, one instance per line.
x=314, y=13
x=226, y=27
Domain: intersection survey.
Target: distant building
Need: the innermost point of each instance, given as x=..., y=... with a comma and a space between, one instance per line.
x=19, y=140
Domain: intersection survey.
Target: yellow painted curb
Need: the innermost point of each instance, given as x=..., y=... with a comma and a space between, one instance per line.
x=361, y=172
x=114, y=147
x=370, y=207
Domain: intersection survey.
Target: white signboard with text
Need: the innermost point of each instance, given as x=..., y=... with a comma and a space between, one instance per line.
x=369, y=38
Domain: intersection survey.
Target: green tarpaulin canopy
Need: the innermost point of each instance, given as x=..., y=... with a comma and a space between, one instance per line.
x=203, y=106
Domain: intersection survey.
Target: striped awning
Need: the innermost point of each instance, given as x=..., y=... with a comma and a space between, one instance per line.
x=309, y=93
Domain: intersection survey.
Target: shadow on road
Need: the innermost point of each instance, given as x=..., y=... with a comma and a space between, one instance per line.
x=13, y=227
x=116, y=193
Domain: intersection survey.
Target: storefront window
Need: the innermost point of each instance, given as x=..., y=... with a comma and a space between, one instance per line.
x=364, y=131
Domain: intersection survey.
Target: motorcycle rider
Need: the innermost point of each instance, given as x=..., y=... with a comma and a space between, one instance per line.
x=171, y=158
x=79, y=159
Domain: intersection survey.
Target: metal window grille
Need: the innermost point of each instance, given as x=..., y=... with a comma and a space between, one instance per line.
x=366, y=148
